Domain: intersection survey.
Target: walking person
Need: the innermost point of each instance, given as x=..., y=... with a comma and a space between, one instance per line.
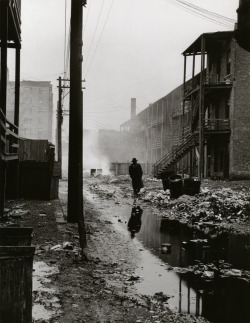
x=135, y=172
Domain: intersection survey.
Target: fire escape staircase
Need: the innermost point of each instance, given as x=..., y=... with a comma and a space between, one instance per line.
x=167, y=162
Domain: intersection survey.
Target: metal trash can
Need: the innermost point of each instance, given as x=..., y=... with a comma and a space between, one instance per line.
x=175, y=186
x=92, y=172
x=15, y=236
x=165, y=179
x=191, y=186
x=16, y=266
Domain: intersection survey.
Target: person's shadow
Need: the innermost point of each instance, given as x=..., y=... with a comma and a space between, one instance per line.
x=134, y=222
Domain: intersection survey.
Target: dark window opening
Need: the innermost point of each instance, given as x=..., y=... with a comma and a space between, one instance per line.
x=227, y=110
x=228, y=61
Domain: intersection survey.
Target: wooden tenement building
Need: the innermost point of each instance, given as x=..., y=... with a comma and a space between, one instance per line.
x=10, y=38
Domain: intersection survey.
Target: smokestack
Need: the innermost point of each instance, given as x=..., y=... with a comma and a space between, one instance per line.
x=133, y=108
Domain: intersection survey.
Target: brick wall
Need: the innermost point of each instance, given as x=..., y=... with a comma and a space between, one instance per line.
x=240, y=115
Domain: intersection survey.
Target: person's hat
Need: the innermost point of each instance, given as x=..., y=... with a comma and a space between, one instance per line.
x=134, y=159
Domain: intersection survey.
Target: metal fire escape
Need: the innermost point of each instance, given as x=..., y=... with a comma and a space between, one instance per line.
x=10, y=37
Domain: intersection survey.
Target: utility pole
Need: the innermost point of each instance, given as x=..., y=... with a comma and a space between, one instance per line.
x=60, y=120
x=59, y=125
x=75, y=167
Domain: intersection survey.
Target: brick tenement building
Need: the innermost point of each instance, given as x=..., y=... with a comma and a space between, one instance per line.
x=202, y=127
x=36, y=104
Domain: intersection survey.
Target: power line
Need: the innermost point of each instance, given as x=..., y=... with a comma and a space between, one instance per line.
x=94, y=33
x=207, y=11
x=39, y=76
x=65, y=19
x=100, y=109
x=86, y=19
x=100, y=36
x=93, y=125
x=203, y=13
x=100, y=124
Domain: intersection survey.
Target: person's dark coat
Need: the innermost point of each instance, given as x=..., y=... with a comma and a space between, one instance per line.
x=135, y=172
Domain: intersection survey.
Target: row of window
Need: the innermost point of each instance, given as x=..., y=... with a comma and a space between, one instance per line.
x=32, y=100
x=34, y=89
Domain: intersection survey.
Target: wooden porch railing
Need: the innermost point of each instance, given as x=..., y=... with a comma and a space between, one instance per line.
x=209, y=79
x=217, y=125
x=9, y=139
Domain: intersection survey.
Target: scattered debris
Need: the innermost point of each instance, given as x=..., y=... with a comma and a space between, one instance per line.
x=220, y=205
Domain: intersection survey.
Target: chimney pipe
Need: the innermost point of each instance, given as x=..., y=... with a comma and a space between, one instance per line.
x=133, y=108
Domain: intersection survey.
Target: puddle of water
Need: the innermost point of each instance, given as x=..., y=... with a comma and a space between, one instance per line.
x=224, y=300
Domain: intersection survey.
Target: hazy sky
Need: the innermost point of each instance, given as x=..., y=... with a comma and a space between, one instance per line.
x=132, y=48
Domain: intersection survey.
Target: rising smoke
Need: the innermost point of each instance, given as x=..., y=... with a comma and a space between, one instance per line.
x=93, y=156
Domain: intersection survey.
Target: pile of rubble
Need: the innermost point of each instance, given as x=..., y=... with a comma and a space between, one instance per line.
x=221, y=205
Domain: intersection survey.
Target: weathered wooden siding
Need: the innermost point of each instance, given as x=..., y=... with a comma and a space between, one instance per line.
x=34, y=150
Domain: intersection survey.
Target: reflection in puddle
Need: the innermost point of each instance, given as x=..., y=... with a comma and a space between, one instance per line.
x=134, y=222
x=171, y=244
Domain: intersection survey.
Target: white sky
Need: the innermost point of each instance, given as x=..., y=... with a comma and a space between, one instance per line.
x=133, y=50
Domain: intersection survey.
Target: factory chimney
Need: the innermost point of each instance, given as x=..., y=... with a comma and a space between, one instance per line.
x=133, y=108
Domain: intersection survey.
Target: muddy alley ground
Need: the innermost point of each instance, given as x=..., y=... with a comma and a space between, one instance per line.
x=186, y=260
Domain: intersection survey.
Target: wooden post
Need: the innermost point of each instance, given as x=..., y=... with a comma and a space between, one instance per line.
x=193, y=68
x=191, y=163
x=3, y=96
x=17, y=86
x=4, y=52
x=201, y=113
x=2, y=186
x=183, y=101
x=15, y=164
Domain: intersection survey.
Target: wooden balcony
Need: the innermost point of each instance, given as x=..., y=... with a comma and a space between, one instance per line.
x=210, y=81
x=13, y=8
x=9, y=139
x=218, y=79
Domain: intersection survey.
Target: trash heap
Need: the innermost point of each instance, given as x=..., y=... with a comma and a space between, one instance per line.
x=112, y=179
x=213, y=270
x=102, y=193
x=220, y=205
